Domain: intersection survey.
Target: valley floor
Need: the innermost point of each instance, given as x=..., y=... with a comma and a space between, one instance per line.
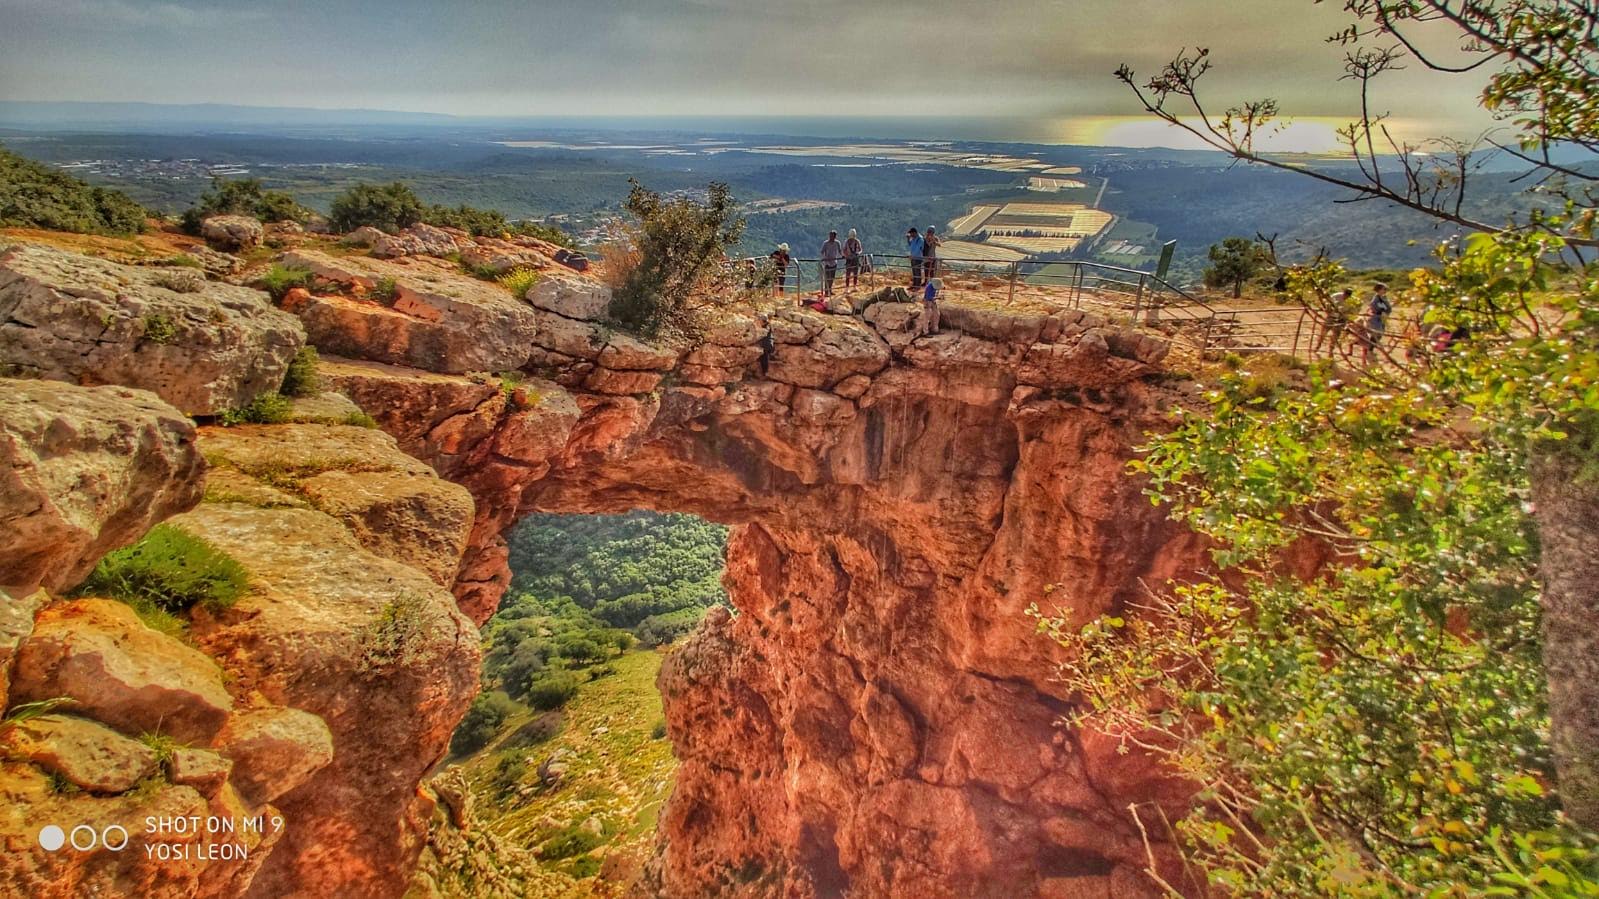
x=598, y=821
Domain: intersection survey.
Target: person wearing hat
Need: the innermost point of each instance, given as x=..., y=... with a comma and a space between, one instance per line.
x=914, y=249
x=832, y=255
x=930, y=297
x=930, y=245
x=780, y=261
x=852, y=260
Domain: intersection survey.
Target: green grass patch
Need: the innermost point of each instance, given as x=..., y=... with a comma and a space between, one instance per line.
x=518, y=281
x=266, y=409
x=360, y=420
x=280, y=279
x=386, y=291
x=301, y=378
x=160, y=328
x=162, y=745
x=171, y=570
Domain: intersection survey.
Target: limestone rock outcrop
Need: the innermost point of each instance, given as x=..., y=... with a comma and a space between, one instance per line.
x=74, y=318
x=881, y=717
x=437, y=318
x=84, y=471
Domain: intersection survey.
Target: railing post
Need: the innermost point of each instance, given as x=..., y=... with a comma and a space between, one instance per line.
x=1298, y=327
x=1015, y=268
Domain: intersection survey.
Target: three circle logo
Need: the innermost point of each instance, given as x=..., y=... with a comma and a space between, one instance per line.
x=113, y=837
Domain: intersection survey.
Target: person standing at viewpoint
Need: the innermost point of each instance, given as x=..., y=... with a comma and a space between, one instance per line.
x=852, y=260
x=780, y=260
x=914, y=248
x=930, y=245
x=832, y=255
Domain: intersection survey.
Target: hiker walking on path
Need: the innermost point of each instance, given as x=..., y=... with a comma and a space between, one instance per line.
x=930, y=297
x=930, y=245
x=780, y=261
x=1377, y=312
x=852, y=260
x=914, y=247
x=832, y=255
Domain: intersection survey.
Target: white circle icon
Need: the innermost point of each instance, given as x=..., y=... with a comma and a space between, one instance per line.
x=105, y=837
x=52, y=837
x=92, y=837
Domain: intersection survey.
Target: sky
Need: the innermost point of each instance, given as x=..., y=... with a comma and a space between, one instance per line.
x=1049, y=60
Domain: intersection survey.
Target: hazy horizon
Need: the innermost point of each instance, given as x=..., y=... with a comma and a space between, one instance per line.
x=1047, y=63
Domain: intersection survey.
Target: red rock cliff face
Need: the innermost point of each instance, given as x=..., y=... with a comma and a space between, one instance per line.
x=880, y=717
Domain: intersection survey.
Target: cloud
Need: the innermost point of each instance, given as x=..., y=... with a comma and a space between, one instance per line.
x=90, y=14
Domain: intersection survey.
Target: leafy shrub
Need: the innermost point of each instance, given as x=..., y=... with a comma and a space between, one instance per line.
x=479, y=222
x=681, y=243
x=360, y=420
x=301, y=378
x=551, y=690
x=170, y=569
x=159, y=328
x=243, y=196
x=658, y=732
x=482, y=721
x=266, y=409
x=388, y=207
x=386, y=291
x=570, y=841
x=518, y=281
x=508, y=774
x=33, y=195
x=280, y=279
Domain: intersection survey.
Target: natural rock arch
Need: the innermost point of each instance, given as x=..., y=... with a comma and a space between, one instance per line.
x=880, y=717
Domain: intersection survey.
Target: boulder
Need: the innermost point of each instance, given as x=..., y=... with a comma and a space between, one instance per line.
x=571, y=297
x=364, y=236
x=274, y=750
x=232, y=233
x=100, y=655
x=499, y=258
x=16, y=623
x=440, y=319
x=68, y=317
x=83, y=471
x=420, y=239
x=394, y=504
x=89, y=755
x=202, y=769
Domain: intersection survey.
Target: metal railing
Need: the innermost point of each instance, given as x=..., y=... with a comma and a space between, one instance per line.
x=1070, y=283
x=1078, y=284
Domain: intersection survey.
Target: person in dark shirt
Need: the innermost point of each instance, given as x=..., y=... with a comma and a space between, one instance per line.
x=914, y=247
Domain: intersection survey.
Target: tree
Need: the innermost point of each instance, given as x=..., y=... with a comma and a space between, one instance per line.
x=243, y=196
x=681, y=242
x=38, y=196
x=388, y=207
x=1419, y=714
x=1234, y=262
